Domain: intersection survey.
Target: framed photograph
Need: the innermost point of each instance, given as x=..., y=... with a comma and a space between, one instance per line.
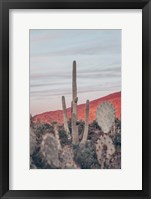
x=75, y=99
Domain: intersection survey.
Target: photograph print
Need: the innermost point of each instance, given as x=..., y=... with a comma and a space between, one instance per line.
x=75, y=98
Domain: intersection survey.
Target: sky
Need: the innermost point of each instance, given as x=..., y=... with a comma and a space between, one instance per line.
x=52, y=52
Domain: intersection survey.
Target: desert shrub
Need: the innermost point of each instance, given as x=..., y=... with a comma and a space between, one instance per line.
x=38, y=161
x=63, y=137
x=85, y=156
x=54, y=123
x=32, y=164
x=117, y=123
x=93, y=135
x=45, y=128
x=117, y=140
x=31, y=121
x=33, y=141
x=41, y=130
x=95, y=125
x=70, y=125
x=80, y=124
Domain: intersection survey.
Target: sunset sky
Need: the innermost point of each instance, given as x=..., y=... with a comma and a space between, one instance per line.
x=98, y=57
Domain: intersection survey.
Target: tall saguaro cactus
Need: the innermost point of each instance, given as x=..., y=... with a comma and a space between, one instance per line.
x=85, y=135
x=66, y=128
x=74, y=102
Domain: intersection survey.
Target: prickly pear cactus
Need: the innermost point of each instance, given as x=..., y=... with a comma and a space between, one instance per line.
x=105, y=116
x=67, y=158
x=104, y=149
x=49, y=151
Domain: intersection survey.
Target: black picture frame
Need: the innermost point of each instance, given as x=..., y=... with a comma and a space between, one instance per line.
x=5, y=5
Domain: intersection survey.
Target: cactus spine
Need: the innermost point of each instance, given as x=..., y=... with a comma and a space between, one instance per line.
x=74, y=102
x=66, y=128
x=85, y=135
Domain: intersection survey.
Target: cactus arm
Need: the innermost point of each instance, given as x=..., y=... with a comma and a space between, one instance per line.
x=65, y=116
x=85, y=135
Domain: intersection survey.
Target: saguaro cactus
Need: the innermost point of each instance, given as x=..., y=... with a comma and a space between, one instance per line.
x=65, y=117
x=85, y=135
x=105, y=115
x=74, y=102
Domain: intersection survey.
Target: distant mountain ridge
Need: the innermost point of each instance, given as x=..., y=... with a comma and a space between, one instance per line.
x=57, y=116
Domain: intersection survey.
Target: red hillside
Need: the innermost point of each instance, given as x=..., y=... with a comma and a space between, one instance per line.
x=57, y=116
